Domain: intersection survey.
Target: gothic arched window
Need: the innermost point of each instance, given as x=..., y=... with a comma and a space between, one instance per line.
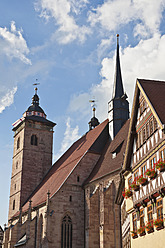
x=66, y=232
x=34, y=140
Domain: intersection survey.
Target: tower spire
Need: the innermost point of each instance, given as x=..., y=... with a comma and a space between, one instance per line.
x=118, y=90
x=118, y=106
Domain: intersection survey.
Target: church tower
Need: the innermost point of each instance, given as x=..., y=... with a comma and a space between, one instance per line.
x=32, y=155
x=118, y=107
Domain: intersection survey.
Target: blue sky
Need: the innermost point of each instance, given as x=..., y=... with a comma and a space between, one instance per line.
x=69, y=46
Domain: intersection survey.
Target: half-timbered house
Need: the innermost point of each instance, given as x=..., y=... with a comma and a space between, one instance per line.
x=144, y=166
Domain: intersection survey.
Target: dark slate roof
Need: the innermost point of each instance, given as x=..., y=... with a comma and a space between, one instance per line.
x=35, y=107
x=107, y=164
x=155, y=91
x=40, y=119
x=68, y=161
x=34, y=118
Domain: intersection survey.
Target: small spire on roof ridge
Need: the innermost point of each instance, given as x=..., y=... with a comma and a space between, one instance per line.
x=94, y=121
x=35, y=99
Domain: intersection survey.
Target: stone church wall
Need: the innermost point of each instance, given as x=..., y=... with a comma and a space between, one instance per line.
x=102, y=210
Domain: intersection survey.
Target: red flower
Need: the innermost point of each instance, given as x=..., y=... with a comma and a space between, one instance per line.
x=149, y=225
x=160, y=165
x=141, y=230
x=151, y=173
x=158, y=222
x=127, y=193
x=142, y=179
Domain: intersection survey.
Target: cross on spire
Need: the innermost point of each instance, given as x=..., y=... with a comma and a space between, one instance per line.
x=35, y=84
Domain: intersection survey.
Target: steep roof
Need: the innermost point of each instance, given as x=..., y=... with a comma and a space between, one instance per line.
x=113, y=155
x=66, y=164
x=153, y=92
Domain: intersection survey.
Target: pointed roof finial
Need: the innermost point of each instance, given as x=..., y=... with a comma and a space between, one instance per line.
x=117, y=39
x=36, y=87
x=93, y=106
x=118, y=90
x=35, y=99
x=94, y=121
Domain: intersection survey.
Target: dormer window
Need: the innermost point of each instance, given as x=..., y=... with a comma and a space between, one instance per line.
x=117, y=150
x=34, y=140
x=114, y=155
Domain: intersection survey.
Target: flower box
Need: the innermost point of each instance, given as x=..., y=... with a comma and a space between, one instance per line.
x=135, y=186
x=151, y=173
x=142, y=180
x=127, y=193
x=134, y=234
x=150, y=227
x=150, y=230
x=159, y=228
x=141, y=231
x=156, y=194
x=142, y=234
x=159, y=224
x=160, y=165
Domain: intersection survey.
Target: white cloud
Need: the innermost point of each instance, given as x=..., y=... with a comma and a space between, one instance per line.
x=13, y=44
x=112, y=15
x=7, y=99
x=78, y=5
x=62, y=12
x=146, y=60
x=71, y=135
